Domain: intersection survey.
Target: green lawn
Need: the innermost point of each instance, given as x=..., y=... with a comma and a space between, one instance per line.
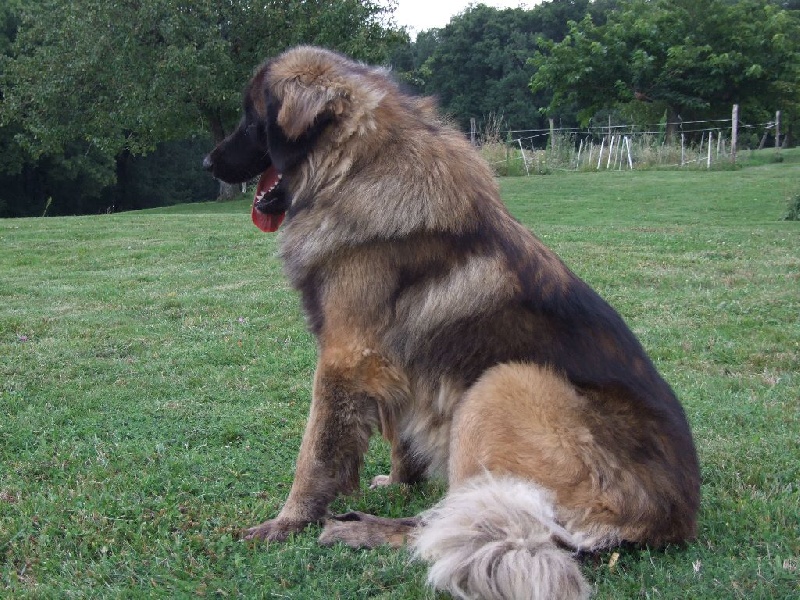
x=155, y=375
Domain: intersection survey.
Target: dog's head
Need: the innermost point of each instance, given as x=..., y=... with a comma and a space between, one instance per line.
x=289, y=104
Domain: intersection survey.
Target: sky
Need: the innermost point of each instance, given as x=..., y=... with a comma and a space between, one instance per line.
x=419, y=15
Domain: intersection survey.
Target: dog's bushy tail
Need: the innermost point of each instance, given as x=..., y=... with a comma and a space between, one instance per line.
x=497, y=538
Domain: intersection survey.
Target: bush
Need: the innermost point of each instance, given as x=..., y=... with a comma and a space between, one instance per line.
x=793, y=209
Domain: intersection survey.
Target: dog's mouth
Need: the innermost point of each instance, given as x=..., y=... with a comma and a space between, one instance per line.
x=270, y=201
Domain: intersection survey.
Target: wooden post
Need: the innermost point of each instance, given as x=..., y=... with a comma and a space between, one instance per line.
x=683, y=149
x=591, y=151
x=578, y=161
x=610, y=152
x=552, y=135
x=630, y=158
x=719, y=141
x=710, y=143
x=763, y=141
x=524, y=158
x=600, y=157
x=778, y=130
x=734, y=132
x=472, y=131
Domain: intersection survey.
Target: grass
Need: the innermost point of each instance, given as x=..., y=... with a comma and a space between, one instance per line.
x=155, y=374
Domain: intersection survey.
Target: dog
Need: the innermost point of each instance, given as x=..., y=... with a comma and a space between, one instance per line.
x=447, y=326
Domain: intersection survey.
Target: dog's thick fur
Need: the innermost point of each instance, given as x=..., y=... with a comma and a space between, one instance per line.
x=447, y=326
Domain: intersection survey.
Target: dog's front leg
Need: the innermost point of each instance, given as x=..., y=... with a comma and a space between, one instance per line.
x=336, y=438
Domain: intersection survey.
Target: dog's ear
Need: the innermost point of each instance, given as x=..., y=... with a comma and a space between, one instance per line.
x=285, y=151
x=295, y=121
x=304, y=105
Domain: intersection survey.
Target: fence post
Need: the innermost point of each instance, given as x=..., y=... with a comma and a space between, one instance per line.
x=524, y=158
x=600, y=157
x=710, y=142
x=683, y=148
x=552, y=136
x=777, y=130
x=630, y=158
x=734, y=132
x=472, y=131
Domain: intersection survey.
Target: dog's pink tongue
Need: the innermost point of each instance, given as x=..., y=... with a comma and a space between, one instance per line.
x=264, y=221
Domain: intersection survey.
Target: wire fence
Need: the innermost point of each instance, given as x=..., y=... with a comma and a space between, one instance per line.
x=702, y=144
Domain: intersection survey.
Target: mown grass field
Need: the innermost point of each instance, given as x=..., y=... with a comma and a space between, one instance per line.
x=155, y=376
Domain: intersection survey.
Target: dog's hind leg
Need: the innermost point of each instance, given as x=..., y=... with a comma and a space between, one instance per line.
x=519, y=448
x=540, y=469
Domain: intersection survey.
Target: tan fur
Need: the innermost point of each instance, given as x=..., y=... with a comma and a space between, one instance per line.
x=447, y=326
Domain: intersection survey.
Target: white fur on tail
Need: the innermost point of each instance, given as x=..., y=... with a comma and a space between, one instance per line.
x=497, y=539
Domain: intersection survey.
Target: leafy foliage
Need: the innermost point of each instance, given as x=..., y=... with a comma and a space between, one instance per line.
x=88, y=84
x=692, y=58
x=126, y=75
x=477, y=64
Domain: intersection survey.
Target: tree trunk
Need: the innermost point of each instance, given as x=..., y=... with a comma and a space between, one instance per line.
x=227, y=191
x=125, y=201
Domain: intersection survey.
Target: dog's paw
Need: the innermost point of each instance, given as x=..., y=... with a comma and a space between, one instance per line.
x=380, y=481
x=274, y=530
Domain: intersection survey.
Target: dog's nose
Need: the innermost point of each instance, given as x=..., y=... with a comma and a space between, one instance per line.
x=208, y=164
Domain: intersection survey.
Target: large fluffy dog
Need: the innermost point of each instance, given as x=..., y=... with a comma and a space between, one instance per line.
x=447, y=326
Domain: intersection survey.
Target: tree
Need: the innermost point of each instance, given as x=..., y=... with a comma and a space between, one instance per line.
x=692, y=59
x=27, y=183
x=477, y=64
x=119, y=77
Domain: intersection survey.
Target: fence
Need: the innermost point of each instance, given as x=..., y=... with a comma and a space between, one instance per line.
x=699, y=144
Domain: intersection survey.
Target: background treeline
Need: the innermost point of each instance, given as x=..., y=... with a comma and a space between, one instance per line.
x=635, y=61
x=110, y=106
